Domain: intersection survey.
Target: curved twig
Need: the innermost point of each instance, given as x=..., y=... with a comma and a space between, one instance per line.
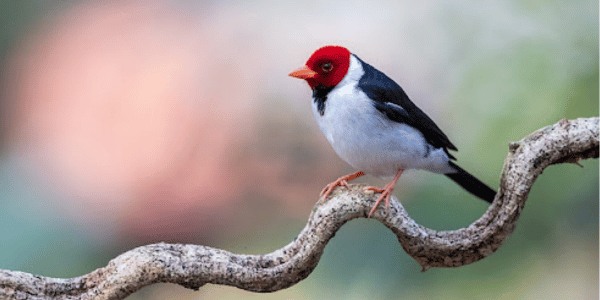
x=193, y=266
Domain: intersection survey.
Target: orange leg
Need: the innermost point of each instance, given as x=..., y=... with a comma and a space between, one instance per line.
x=386, y=192
x=342, y=181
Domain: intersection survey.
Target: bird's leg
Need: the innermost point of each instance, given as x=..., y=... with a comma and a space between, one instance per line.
x=386, y=192
x=342, y=181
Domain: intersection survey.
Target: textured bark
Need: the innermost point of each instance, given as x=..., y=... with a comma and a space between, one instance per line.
x=193, y=266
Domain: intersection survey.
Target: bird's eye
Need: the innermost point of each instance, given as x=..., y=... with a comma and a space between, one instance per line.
x=326, y=67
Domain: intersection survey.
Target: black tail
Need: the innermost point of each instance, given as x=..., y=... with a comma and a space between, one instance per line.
x=471, y=184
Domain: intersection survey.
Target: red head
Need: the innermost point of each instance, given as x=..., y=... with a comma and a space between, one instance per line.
x=326, y=67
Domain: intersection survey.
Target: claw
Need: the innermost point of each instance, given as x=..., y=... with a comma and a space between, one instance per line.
x=342, y=181
x=373, y=189
x=384, y=196
x=386, y=192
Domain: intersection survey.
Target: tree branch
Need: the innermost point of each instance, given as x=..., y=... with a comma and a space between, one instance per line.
x=193, y=266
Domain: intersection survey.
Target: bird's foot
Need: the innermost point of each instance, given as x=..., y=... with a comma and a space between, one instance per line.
x=386, y=193
x=342, y=181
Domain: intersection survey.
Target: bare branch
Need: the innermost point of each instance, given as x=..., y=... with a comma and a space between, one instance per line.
x=193, y=266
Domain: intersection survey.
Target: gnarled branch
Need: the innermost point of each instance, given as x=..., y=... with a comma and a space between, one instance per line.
x=193, y=266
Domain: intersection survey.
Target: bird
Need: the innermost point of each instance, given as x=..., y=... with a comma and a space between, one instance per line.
x=373, y=126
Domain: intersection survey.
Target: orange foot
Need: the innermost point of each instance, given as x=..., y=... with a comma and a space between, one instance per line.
x=342, y=181
x=386, y=192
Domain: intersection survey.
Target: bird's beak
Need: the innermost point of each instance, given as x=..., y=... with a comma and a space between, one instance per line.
x=303, y=73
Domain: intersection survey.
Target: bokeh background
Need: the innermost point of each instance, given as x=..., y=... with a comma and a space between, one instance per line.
x=132, y=122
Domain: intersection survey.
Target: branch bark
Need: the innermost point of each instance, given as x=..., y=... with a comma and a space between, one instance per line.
x=192, y=266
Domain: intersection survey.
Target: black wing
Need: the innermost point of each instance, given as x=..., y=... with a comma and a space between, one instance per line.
x=391, y=100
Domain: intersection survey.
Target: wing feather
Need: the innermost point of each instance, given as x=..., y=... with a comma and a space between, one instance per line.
x=391, y=100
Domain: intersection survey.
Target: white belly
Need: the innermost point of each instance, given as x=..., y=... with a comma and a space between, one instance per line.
x=368, y=141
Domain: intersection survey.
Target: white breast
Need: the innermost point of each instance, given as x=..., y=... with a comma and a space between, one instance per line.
x=369, y=141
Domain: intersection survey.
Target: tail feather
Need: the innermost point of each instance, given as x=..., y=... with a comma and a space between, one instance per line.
x=471, y=184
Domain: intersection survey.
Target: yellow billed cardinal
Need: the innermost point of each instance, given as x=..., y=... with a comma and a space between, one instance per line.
x=372, y=125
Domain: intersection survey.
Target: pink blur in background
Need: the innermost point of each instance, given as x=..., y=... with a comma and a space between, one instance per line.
x=145, y=116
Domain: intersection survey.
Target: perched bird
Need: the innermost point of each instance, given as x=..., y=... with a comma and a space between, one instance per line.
x=372, y=125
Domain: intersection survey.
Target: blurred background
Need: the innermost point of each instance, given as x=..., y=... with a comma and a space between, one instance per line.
x=132, y=122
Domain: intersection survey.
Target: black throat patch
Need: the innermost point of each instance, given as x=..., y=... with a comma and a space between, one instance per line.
x=320, y=96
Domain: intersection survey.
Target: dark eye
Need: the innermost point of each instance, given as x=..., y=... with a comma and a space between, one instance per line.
x=326, y=67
